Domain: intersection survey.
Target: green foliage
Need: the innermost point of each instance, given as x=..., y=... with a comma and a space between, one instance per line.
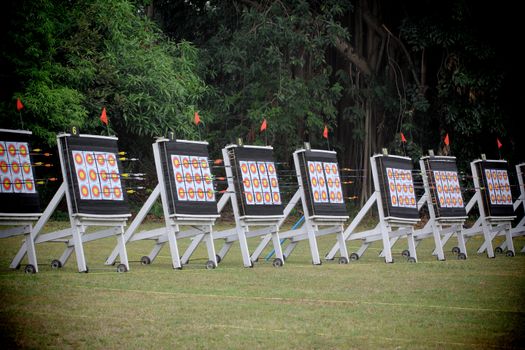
x=87, y=55
x=268, y=65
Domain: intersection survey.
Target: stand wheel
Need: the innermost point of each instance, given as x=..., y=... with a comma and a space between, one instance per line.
x=456, y=250
x=343, y=260
x=218, y=258
x=122, y=268
x=30, y=269
x=210, y=265
x=405, y=253
x=411, y=259
x=462, y=256
x=56, y=264
x=510, y=253
x=145, y=260
x=498, y=250
x=277, y=262
x=354, y=257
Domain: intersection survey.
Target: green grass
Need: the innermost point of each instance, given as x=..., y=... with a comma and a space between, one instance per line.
x=477, y=303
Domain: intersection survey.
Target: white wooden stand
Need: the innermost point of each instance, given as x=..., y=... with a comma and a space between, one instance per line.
x=76, y=235
x=268, y=225
x=388, y=230
x=201, y=226
x=311, y=228
x=440, y=228
x=488, y=226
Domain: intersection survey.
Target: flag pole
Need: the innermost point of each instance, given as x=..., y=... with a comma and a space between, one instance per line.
x=21, y=120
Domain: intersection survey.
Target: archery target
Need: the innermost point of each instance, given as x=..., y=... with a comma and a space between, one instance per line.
x=401, y=188
x=97, y=175
x=325, y=182
x=498, y=186
x=448, y=189
x=16, y=172
x=193, y=179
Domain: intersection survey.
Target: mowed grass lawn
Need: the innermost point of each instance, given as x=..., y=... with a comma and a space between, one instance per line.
x=478, y=303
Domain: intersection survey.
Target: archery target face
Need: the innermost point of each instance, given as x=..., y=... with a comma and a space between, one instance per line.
x=401, y=188
x=16, y=172
x=259, y=183
x=325, y=182
x=498, y=186
x=193, y=179
x=448, y=189
x=97, y=175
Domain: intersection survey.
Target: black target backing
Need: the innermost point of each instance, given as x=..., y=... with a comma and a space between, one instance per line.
x=187, y=202
x=328, y=207
x=391, y=208
x=241, y=155
x=445, y=190
x=24, y=201
x=84, y=145
x=492, y=206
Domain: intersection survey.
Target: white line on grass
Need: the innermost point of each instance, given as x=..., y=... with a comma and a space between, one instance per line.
x=302, y=300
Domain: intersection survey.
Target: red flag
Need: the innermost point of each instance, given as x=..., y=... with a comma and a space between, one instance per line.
x=447, y=141
x=197, y=118
x=263, y=125
x=19, y=104
x=103, y=116
x=403, y=139
x=499, y=143
x=325, y=132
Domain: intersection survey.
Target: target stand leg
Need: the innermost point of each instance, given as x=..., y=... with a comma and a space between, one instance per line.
x=225, y=249
x=436, y=231
x=174, y=249
x=392, y=242
x=121, y=244
x=461, y=241
x=341, y=239
x=30, y=246
x=258, y=251
x=312, y=239
x=387, y=252
x=508, y=239
x=243, y=243
x=78, y=232
x=412, y=245
x=277, y=246
x=210, y=246
x=488, y=240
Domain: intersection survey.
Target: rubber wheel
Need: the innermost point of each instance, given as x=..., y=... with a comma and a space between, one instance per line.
x=509, y=253
x=210, y=265
x=354, y=257
x=343, y=260
x=277, y=262
x=218, y=258
x=145, y=260
x=456, y=250
x=411, y=259
x=498, y=250
x=56, y=264
x=405, y=253
x=462, y=256
x=30, y=269
x=122, y=268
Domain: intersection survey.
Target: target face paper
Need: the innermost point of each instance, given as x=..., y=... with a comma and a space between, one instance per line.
x=495, y=188
x=444, y=187
x=255, y=181
x=397, y=187
x=18, y=192
x=94, y=175
x=322, y=183
x=188, y=177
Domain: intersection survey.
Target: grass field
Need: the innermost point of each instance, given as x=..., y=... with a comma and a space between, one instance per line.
x=477, y=303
